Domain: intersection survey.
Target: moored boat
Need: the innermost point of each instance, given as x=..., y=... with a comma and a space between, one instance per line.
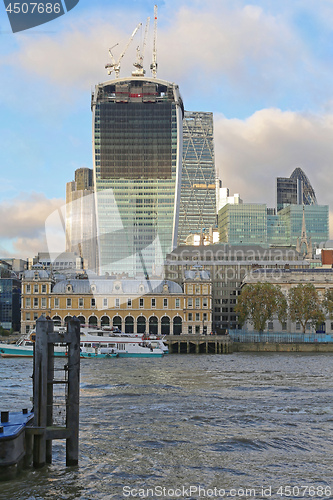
x=96, y=343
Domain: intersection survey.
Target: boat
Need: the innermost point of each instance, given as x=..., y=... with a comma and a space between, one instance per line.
x=24, y=348
x=95, y=343
x=105, y=342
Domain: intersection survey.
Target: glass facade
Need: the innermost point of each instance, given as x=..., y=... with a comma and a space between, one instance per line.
x=10, y=303
x=294, y=190
x=243, y=224
x=137, y=147
x=198, y=189
x=316, y=222
x=254, y=224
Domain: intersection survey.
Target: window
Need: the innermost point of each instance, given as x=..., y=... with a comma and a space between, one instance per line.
x=117, y=303
x=141, y=303
x=35, y=316
x=43, y=302
x=197, y=316
x=35, y=302
x=165, y=303
x=197, y=289
x=204, y=316
x=298, y=326
x=68, y=303
x=177, y=303
x=35, y=288
x=43, y=288
x=129, y=302
x=27, y=316
x=105, y=303
x=28, y=303
x=197, y=303
x=189, y=302
x=190, y=289
x=81, y=302
x=284, y=326
x=190, y=329
x=28, y=288
x=270, y=325
x=93, y=302
x=153, y=302
x=204, y=302
x=197, y=329
x=190, y=316
x=56, y=302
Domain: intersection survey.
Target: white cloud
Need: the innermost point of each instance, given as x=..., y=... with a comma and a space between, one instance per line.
x=23, y=222
x=251, y=153
x=209, y=40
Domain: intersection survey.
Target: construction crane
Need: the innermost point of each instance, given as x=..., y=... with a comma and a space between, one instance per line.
x=153, y=65
x=140, y=53
x=115, y=65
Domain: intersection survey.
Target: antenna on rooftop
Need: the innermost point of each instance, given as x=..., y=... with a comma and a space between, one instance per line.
x=153, y=65
x=115, y=65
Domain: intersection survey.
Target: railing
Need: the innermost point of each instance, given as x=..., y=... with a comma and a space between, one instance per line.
x=279, y=337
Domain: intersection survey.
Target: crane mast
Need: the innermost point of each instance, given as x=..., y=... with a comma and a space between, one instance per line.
x=153, y=65
x=115, y=65
x=140, y=54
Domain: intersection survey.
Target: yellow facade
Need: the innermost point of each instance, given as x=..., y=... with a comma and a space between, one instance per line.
x=133, y=306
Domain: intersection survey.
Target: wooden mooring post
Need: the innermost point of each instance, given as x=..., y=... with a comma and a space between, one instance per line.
x=48, y=375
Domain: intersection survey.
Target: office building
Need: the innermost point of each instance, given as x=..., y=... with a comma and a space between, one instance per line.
x=133, y=306
x=80, y=218
x=227, y=265
x=10, y=303
x=316, y=223
x=137, y=151
x=197, y=211
x=243, y=224
x=294, y=190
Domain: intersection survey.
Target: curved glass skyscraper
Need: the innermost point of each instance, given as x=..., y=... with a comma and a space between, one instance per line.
x=137, y=150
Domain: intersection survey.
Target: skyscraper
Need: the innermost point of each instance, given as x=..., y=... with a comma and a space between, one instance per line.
x=198, y=189
x=80, y=217
x=294, y=190
x=137, y=151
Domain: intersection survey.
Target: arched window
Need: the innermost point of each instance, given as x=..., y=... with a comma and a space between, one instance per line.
x=177, y=325
x=67, y=319
x=141, y=324
x=56, y=320
x=129, y=324
x=93, y=321
x=165, y=325
x=117, y=322
x=82, y=319
x=105, y=321
x=153, y=325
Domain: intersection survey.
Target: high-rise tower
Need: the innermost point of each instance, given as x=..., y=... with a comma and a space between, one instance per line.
x=198, y=190
x=137, y=151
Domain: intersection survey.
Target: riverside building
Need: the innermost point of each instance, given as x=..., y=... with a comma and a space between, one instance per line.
x=132, y=305
x=227, y=266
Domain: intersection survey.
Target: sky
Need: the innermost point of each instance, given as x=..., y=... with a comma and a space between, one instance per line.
x=264, y=68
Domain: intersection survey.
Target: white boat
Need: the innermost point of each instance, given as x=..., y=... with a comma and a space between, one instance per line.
x=95, y=343
x=125, y=345
x=24, y=348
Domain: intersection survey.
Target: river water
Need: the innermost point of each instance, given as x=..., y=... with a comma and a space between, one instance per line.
x=245, y=425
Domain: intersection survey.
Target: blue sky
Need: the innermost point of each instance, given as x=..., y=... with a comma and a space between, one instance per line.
x=263, y=67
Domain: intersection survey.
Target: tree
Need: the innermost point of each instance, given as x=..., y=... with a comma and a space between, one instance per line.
x=259, y=303
x=305, y=306
x=328, y=302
